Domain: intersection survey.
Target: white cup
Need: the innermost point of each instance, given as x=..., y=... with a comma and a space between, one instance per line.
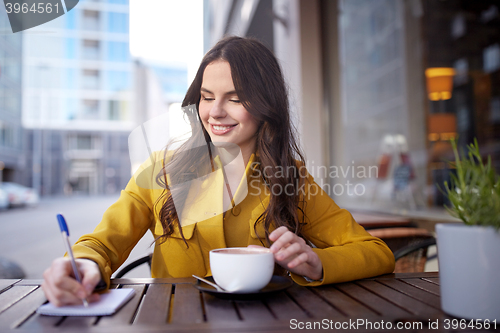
x=242, y=269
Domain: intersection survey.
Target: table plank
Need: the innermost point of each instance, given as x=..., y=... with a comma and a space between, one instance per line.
x=13, y=295
x=126, y=314
x=217, y=310
x=254, y=311
x=406, y=302
x=38, y=322
x=22, y=310
x=284, y=308
x=343, y=303
x=187, y=305
x=424, y=285
x=425, y=297
x=144, y=281
x=315, y=306
x=6, y=283
x=416, y=275
x=155, y=305
x=432, y=280
x=30, y=282
x=377, y=220
x=376, y=303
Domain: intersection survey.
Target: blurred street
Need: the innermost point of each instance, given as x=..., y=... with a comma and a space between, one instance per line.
x=31, y=238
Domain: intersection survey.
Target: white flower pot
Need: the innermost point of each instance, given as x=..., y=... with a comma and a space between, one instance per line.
x=469, y=270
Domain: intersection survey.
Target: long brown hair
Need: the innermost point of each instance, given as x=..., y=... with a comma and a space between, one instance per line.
x=260, y=86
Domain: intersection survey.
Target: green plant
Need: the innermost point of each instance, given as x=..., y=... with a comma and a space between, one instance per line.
x=474, y=192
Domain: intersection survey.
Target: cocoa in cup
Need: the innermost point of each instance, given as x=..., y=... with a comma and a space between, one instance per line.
x=242, y=269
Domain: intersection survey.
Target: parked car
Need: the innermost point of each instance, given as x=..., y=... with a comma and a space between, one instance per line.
x=4, y=199
x=19, y=195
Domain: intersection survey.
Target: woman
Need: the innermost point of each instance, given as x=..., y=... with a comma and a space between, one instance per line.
x=264, y=194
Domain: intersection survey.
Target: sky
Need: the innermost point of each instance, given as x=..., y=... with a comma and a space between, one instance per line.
x=167, y=32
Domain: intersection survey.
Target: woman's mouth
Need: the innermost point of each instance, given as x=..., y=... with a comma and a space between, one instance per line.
x=221, y=129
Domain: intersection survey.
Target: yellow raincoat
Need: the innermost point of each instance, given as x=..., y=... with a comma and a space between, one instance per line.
x=346, y=250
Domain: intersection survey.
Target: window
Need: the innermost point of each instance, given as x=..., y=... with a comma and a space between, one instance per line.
x=6, y=135
x=117, y=110
x=118, y=81
x=118, y=51
x=91, y=49
x=90, y=109
x=491, y=58
x=70, y=109
x=70, y=79
x=83, y=142
x=118, y=22
x=70, y=19
x=90, y=20
x=114, y=110
x=70, y=48
x=90, y=79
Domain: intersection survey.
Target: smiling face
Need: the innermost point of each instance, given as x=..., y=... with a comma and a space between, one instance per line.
x=222, y=114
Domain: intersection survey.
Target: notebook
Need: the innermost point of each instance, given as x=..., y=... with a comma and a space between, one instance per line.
x=107, y=305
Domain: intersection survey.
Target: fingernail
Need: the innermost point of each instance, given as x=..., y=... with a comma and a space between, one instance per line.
x=89, y=288
x=81, y=294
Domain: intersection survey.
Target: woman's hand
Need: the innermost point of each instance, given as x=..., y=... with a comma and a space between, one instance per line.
x=292, y=253
x=60, y=286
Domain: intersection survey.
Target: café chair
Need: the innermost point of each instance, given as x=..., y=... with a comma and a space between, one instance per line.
x=409, y=245
x=142, y=260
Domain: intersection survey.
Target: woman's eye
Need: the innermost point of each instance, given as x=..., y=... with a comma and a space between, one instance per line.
x=235, y=100
x=207, y=98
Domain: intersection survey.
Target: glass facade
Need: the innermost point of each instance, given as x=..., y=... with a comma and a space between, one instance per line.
x=118, y=51
x=71, y=19
x=396, y=81
x=414, y=76
x=118, y=81
x=117, y=22
x=11, y=132
x=462, y=36
x=78, y=81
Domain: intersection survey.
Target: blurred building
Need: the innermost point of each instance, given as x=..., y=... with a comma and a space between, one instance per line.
x=157, y=86
x=12, y=158
x=360, y=95
x=78, y=99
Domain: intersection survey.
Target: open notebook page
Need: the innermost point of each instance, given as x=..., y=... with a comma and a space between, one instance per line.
x=107, y=305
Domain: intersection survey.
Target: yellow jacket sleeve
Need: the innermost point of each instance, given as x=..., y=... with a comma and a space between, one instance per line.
x=123, y=224
x=346, y=250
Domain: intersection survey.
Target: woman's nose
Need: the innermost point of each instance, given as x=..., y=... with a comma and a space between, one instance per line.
x=217, y=110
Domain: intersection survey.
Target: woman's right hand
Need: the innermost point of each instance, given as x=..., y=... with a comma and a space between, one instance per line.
x=60, y=286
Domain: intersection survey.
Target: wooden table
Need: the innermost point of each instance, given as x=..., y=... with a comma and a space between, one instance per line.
x=410, y=299
x=374, y=220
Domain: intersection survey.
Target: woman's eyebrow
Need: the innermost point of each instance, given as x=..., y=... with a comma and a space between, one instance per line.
x=232, y=92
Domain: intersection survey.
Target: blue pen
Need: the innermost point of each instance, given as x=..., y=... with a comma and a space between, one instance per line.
x=65, y=233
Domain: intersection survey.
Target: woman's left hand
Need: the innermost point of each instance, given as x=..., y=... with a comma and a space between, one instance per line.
x=292, y=253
